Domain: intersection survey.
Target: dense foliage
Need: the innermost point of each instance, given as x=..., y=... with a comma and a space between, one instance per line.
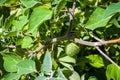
x=33, y=44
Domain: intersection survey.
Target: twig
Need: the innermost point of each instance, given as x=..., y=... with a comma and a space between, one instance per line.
x=87, y=43
x=71, y=13
x=108, y=58
x=12, y=46
x=33, y=53
x=114, y=41
x=96, y=38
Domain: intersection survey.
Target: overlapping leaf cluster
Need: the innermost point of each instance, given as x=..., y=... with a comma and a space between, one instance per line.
x=27, y=24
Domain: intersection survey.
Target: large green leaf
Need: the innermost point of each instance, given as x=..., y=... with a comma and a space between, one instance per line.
x=113, y=72
x=27, y=42
x=38, y=16
x=96, y=20
x=26, y=66
x=28, y=3
x=47, y=63
x=95, y=60
x=10, y=62
x=111, y=9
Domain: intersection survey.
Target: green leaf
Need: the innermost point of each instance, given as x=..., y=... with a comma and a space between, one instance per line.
x=9, y=20
x=112, y=9
x=47, y=63
x=2, y=1
x=67, y=59
x=96, y=60
x=69, y=66
x=74, y=76
x=92, y=78
x=11, y=34
x=61, y=4
x=26, y=66
x=40, y=78
x=61, y=75
x=1, y=21
x=118, y=18
x=59, y=51
x=12, y=76
x=10, y=62
x=10, y=2
x=115, y=22
x=82, y=77
x=19, y=41
x=38, y=16
x=28, y=3
x=96, y=20
x=18, y=25
x=113, y=72
x=27, y=42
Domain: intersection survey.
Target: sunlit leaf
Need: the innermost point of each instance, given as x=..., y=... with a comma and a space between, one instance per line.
x=67, y=65
x=41, y=78
x=18, y=25
x=59, y=51
x=67, y=59
x=92, y=78
x=10, y=2
x=27, y=42
x=96, y=20
x=26, y=66
x=112, y=9
x=12, y=76
x=113, y=72
x=95, y=60
x=74, y=76
x=38, y=16
x=82, y=77
x=28, y=3
x=11, y=34
x=61, y=75
x=47, y=62
x=10, y=62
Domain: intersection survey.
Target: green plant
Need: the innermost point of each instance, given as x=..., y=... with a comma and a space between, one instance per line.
x=59, y=39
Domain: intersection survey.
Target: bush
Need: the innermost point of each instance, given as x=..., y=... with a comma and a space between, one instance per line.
x=59, y=39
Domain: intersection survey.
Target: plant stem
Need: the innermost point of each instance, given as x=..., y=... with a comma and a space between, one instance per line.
x=108, y=58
